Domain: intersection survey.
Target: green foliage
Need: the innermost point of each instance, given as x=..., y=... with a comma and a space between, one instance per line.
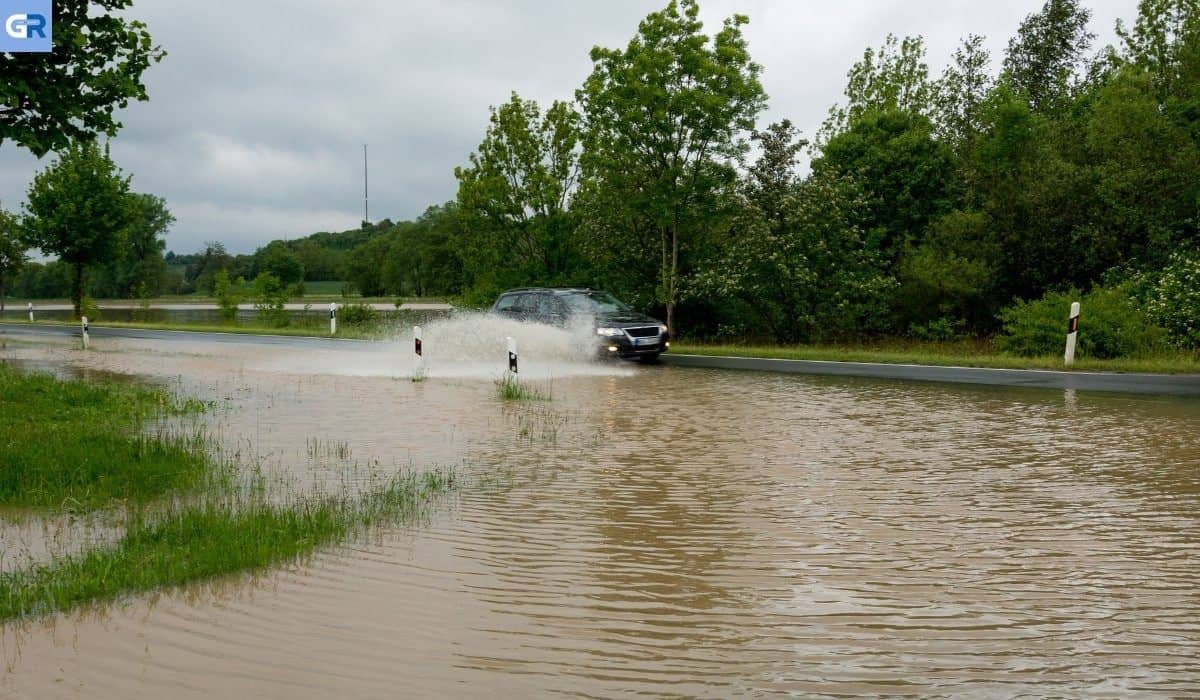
x=1048, y=49
x=227, y=295
x=270, y=295
x=906, y=175
x=12, y=252
x=79, y=444
x=952, y=274
x=513, y=198
x=78, y=209
x=1174, y=300
x=1110, y=326
x=358, y=315
x=51, y=100
x=808, y=273
x=281, y=262
x=893, y=78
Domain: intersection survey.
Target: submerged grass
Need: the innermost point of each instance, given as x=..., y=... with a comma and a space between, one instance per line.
x=80, y=443
x=199, y=542
x=512, y=389
x=967, y=353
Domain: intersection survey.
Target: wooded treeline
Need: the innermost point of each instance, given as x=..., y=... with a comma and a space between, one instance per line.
x=926, y=205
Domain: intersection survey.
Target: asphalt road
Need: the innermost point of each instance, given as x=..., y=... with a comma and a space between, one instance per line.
x=1129, y=383
x=1121, y=382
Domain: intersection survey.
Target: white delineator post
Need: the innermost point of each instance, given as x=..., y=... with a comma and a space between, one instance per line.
x=332, y=318
x=84, y=323
x=1072, y=334
x=418, y=358
x=512, y=358
x=31, y=312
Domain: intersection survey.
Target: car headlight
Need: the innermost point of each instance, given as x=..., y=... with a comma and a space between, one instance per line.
x=662, y=329
x=610, y=332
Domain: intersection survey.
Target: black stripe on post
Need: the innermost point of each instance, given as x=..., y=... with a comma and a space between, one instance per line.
x=417, y=346
x=1073, y=325
x=512, y=362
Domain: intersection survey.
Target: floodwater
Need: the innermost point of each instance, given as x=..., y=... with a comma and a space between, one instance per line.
x=669, y=531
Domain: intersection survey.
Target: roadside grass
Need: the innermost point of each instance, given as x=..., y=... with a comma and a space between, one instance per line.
x=510, y=388
x=80, y=444
x=965, y=353
x=212, y=539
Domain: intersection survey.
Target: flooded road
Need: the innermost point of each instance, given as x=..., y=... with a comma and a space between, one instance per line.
x=671, y=531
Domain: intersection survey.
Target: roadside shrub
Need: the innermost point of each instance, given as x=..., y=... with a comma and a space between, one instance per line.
x=358, y=314
x=88, y=308
x=939, y=329
x=1174, y=300
x=227, y=298
x=270, y=295
x=1110, y=325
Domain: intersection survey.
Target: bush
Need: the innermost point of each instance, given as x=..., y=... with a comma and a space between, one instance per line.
x=227, y=298
x=1174, y=300
x=938, y=330
x=88, y=309
x=270, y=296
x=1110, y=325
x=358, y=314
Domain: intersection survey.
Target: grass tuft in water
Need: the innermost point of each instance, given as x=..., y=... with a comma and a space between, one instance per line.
x=512, y=389
x=80, y=443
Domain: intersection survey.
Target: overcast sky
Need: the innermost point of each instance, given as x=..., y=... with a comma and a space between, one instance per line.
x=257, y=116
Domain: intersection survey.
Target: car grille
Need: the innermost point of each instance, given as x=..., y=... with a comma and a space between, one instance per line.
x=643, y=332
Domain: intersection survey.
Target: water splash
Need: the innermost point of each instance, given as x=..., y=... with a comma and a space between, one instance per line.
x=463, y=346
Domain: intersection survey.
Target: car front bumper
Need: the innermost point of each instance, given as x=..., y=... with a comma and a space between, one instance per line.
x=626, y=348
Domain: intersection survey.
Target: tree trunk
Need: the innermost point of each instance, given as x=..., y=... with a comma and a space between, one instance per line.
x=665, y=274
x=3, y=294
x=672, y=290
x=77, y=290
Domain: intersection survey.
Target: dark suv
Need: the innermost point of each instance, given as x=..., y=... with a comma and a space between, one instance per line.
x=620, y=331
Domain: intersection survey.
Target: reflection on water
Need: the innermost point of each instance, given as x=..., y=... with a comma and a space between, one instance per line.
x=682, y=532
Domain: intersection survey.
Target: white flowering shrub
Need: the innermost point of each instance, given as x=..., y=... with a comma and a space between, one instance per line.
x=1174, y=300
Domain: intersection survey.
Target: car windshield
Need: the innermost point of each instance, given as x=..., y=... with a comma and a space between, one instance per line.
x=593, y=303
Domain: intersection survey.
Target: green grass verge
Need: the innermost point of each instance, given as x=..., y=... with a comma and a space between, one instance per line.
x=205, y=541
x=956, y=354
x=79, y=443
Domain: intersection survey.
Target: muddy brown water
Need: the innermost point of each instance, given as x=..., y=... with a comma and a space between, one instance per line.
x=661, y=531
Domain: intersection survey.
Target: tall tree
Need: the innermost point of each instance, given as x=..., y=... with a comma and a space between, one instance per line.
x=960, y=92
x=1165, y=41
x=907, y=176
x=666, y=117
x=78, y=209
x=514, y=196
x=12, y=252
x=141, y=270
x=48, y=100
x=1047, y=52
x=892, y=77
